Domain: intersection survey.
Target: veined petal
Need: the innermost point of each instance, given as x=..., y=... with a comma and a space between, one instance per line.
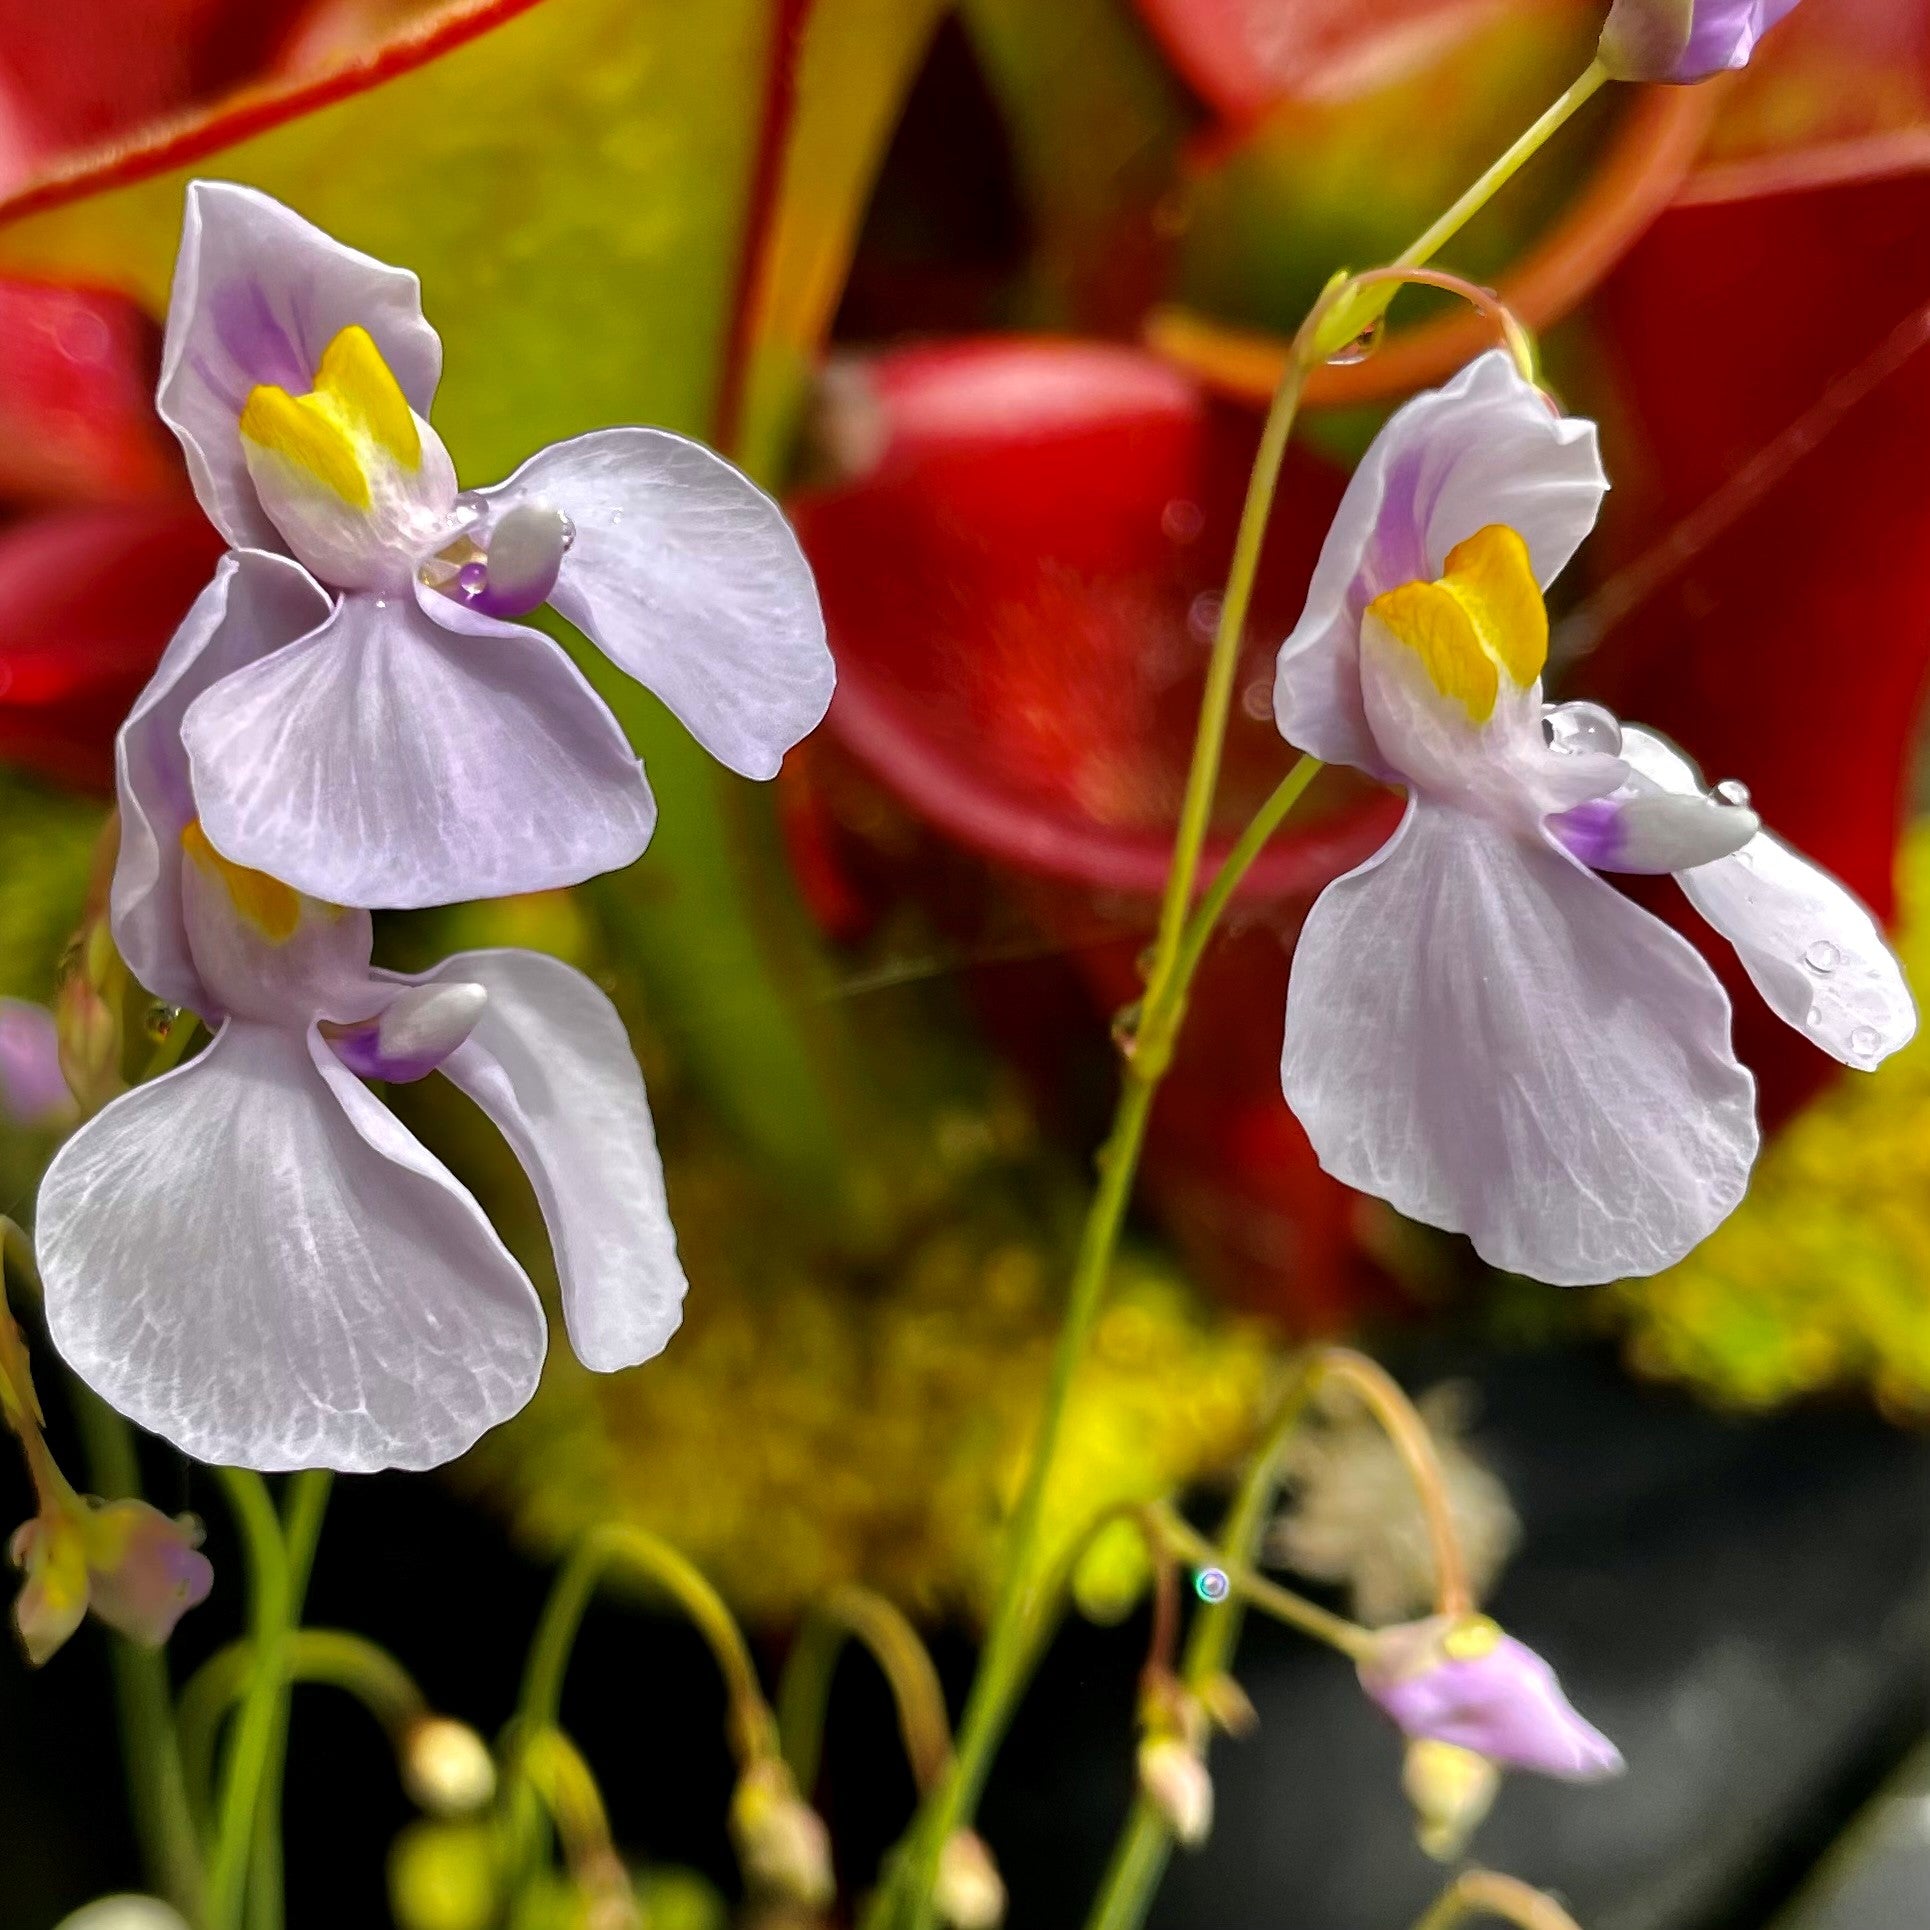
x=251, y=1257
x=256, y=604
x=385, y=761
x=686, y=575
x=1484, y=1034
x=550, y=1063
x=259, y=294
x=1809, y=945
x=1485, y=449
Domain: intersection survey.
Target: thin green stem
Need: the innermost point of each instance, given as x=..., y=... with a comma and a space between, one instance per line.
x=1237, y=862
x=1258, y=1592
x=304, y=1506
x=157, y=1790
x=1351, y=319
x=1146, y=1843
x=271, y=1604
x=1487, y=1893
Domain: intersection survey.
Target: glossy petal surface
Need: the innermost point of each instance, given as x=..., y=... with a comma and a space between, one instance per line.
x=251, y=1257
x=1487, y=1036
x=387, y=761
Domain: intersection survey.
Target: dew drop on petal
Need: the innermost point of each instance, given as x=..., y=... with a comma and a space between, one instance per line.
x=1822, y=958
x=1212, y=1585
x=159, y=1020
x=1864, y=1041
x=567, y=532
x=1578, y=729
x=614, y=515
x=1731, y=790
x=471, y=507
x=473, y=578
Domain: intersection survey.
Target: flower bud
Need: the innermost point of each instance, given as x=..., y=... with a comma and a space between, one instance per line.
x=446, y=1767
x=33, y=1091
x=53, y=1601
x=124, y=1913
x=89, y=1042
x=445, y=1876
x=146, y=1569
x=782, y=1844
x=969, y=1893
x=1460, y=1679
x=1452, y=1790
x=1684, y=40
x=1176, y=1783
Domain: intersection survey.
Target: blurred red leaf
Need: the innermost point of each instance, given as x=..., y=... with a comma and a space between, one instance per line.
x=88, y=599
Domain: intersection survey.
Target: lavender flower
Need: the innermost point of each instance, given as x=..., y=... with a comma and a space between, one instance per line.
x=1479, y=1030
x=1685, y=40
x=250, y=1255
x=33, y=1091
x=412, y=747
x=1458, y=1679
x=138, y=1571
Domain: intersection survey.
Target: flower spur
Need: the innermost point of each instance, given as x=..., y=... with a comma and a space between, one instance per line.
x=414, y=747
x=251, y=1255
x=1479, y=1029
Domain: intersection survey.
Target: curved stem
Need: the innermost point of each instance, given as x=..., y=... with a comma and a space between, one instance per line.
x=248, y=1757
x=1268, y=1596
x=853, y=1612
x=1383, y=1398
x=1487, y=1893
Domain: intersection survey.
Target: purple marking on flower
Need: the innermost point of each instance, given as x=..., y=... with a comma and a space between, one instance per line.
x=33, y=1091
x=414, y=1036
x=525, y=550
x=256, y=340
x=1593, y=831
x=1461, y=1680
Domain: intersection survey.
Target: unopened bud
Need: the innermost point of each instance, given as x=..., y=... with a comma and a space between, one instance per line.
x=446, y=1767
x=1228, y=1706
x=124, y=1913
x=782, y=1844
x=90, y=1042
x=445, y=1876
x=1176, y=1783
x=1452, y=1790
x=969, y=1893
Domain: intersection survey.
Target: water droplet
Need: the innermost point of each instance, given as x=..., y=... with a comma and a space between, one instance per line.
x=1203, y=616
x=1813, y=1018
x=1125, y=1028
x=1864, y=1041
x=615, y=516
x=1362, y=346
x=381, y=603
x=1181, y=520
x=1822, y=958
x=159, y=1020
x=567, y=531
x=1731, y=790
x=473, y=579
x=1212, y=1585
x=471, y=507
x=1574, y=729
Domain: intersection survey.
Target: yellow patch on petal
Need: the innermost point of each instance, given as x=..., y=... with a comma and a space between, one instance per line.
x=1483, y=618
x=1494, y=577
x=273, y=908
x=365, y=394
x=303, y=431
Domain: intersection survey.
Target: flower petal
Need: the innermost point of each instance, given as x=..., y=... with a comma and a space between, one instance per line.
x=256, y=604
x=147, y=1571
x=1484, y=1034
x=686, y=575
x=1488, y=448
x=1809, y=945
x=551, y=1064
x=386, y=761
x=251, y=1257
x=259, y=293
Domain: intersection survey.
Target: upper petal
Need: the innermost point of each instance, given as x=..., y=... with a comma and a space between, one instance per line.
x=387, y=761
x=1483, y=1033
x=251, y=1257
x=1487, y=448
x=1809, y=945
x=259, y=293
x=550, y=1063
x=686, y=575
x=256, y=604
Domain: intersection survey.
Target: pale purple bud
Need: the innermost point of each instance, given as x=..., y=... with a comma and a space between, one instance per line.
x=1684, y=40
x=414, y=1035
x=33, y=1091
x=146, y=1569
x=1461, y=1680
